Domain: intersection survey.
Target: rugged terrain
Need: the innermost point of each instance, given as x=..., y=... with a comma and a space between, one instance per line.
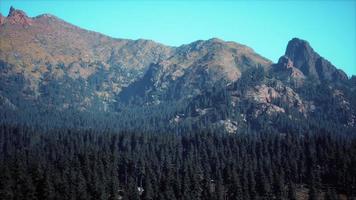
x=54, y=72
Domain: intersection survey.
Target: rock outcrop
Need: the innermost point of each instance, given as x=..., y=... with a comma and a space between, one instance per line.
x=18, y=17
x=285, y=69
x=311, y=63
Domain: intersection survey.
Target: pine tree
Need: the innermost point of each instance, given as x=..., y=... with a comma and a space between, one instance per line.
x=45, y=188
x=6, y=183
x=81, y=187
x=291, y=191
x=331, y=194
x=148, y=193
x=132, y=191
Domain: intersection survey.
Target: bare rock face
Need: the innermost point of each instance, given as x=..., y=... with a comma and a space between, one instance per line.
x=302, y=55
x=18, y=17
x=285, y=63
x=292, y=99
x=262, y=94
x=265, y=95
x=311, y=63
x=286, y=71
x=229, y=125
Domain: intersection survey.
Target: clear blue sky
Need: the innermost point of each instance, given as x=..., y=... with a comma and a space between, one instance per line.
x=266, y=26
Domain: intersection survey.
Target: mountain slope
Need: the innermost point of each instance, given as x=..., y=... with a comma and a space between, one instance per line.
x=195, y=67
x=45, y=50
x=311, y=63
x=54, y=72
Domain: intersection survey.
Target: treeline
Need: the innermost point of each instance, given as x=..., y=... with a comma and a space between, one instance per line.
x=87, y=164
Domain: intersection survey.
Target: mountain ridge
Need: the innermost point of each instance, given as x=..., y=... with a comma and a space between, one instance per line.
x=310, y=62
x=63, y=68
x=15, y=12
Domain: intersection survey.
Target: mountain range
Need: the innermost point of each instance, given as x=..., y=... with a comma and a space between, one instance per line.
x=53, y=72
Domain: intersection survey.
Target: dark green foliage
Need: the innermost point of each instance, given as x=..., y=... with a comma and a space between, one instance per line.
x=291, y=192
x=86, y=164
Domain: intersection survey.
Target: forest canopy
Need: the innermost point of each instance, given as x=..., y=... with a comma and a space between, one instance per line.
x=91, y=164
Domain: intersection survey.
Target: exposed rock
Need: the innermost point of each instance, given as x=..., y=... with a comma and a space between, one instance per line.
x=285, y=70
x=271, y=109
x=285, y=63
x=229, y=125
x=292, y=99
x=302, y=55
x=311, y=63
x=262, y=94
x=267, y=108
x=18, y=17
x=342, y=100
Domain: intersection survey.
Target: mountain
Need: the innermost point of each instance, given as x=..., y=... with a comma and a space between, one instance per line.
x=193, y=68
x=311, y=63
x=56, y=74
x=45, y=52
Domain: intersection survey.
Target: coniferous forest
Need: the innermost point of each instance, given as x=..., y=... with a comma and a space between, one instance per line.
x=89, y=164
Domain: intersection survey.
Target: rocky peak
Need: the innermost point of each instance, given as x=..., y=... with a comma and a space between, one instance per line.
x=304, y=58
x=295, y=45
x=18, y=17
x=302, y=55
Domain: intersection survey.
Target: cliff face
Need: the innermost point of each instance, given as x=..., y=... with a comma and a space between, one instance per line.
x=311, y=63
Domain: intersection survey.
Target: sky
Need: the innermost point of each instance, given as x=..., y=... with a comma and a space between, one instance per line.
x=266, y=26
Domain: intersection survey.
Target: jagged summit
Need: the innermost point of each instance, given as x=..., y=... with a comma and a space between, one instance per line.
x=297, y=43
x=303, y=57
x=16, y=16
x=13, y=12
